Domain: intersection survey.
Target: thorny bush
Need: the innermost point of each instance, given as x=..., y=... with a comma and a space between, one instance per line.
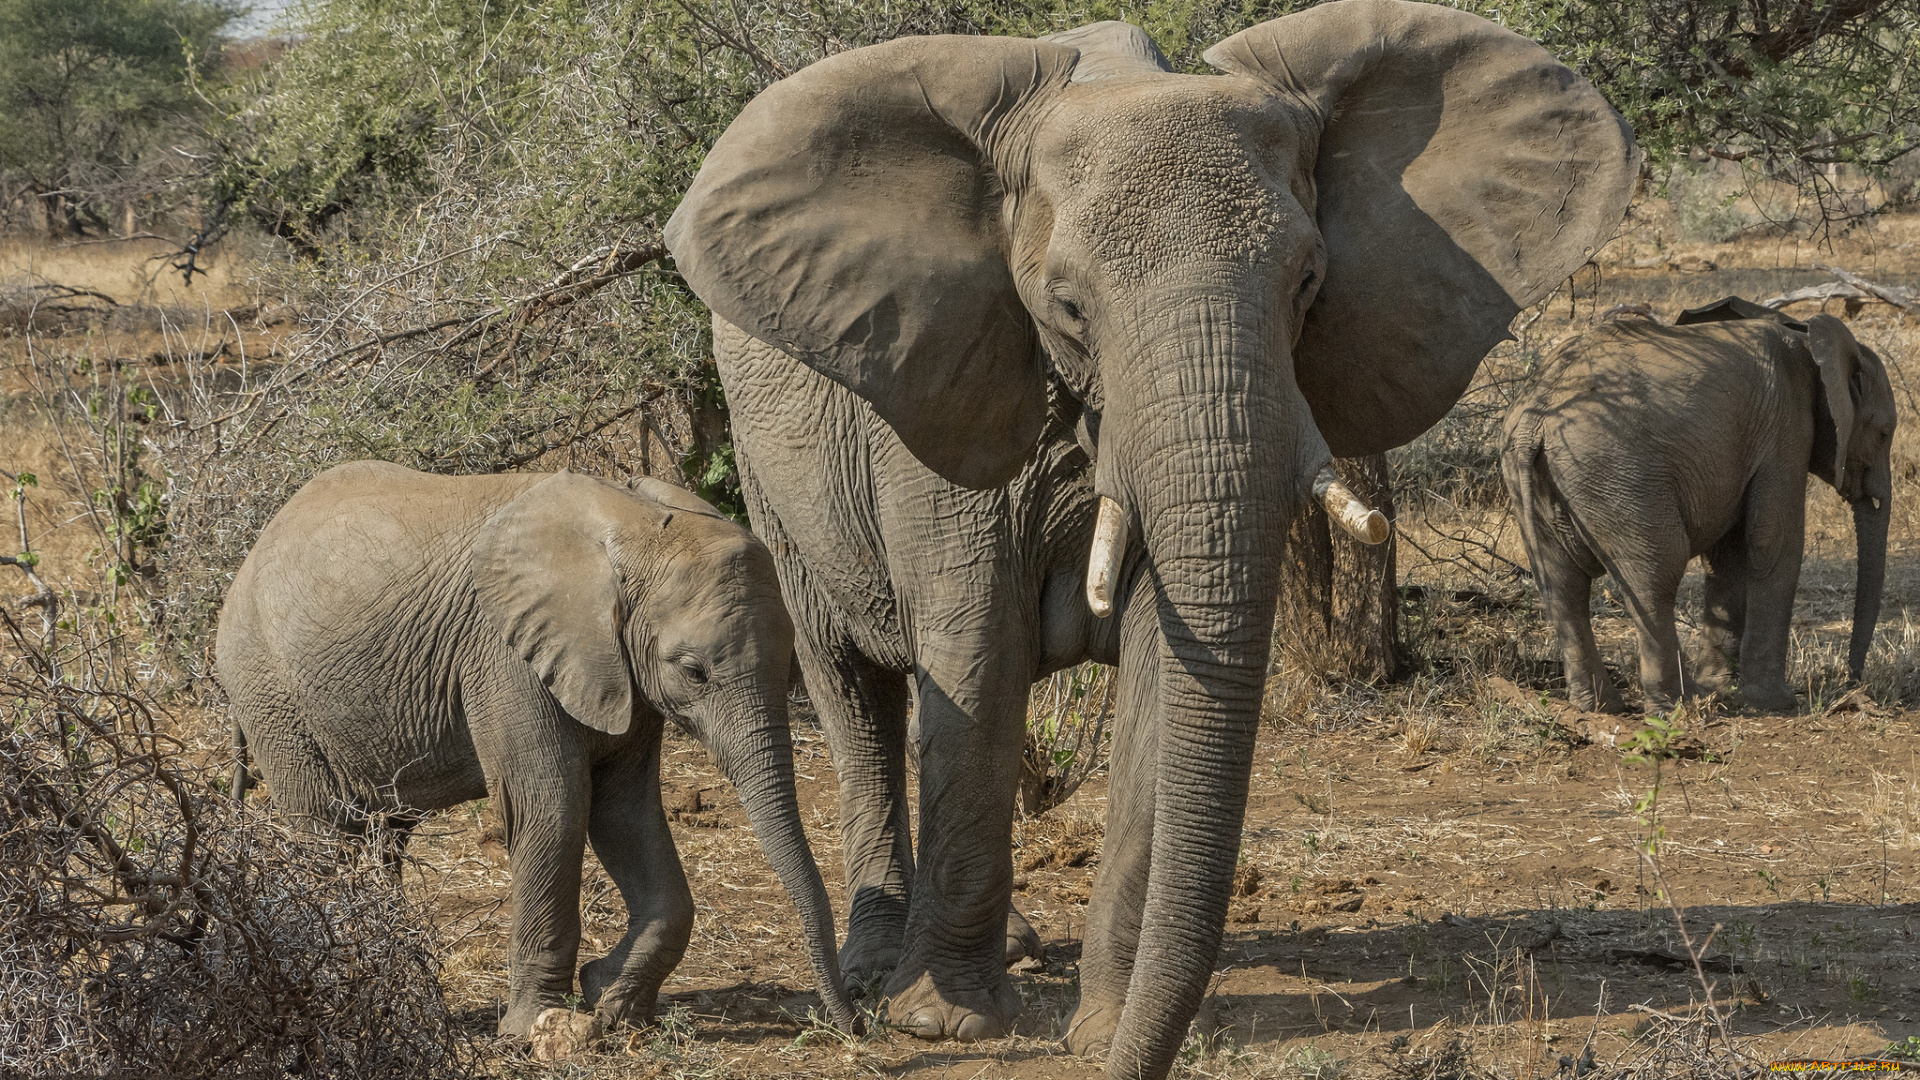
x=150, y=926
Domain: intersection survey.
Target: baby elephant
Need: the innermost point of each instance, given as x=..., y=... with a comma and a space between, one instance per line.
x=399, y=642
x=1642, y=445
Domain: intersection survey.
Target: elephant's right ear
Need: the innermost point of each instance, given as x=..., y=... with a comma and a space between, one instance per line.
x=1839, y=357
x=850, y=216
x=1462, y=173
x=544, y=571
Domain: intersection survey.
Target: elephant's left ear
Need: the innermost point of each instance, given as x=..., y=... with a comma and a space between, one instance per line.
x=1462, y=174
x=544, y=570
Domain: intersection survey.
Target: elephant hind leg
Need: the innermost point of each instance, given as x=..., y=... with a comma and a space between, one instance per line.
x=631, y=838
x=299, y=777
x=1565, y=580
x=1651, y=581
x=1723, y=616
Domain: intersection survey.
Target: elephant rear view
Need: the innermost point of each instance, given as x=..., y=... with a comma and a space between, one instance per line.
x=399, y=642
x=1643, y=445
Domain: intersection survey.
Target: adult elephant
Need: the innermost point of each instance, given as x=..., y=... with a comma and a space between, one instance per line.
x=1233, y=277
x=1642, y=445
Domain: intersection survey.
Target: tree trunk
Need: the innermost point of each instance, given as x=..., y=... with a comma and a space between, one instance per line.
x=1340, y=599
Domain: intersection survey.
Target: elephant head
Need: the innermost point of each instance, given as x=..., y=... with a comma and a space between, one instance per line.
x=1237, y=275
x=605, y=591
x=1854, y=418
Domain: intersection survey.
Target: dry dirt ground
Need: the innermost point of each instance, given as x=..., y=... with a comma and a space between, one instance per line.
x=1440, y=875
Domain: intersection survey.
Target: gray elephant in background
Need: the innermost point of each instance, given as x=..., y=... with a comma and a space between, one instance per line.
x=1642, y=445
x=1233, y=277
x=399, y=642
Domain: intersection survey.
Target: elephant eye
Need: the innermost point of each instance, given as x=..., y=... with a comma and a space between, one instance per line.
x=692, y=669
x=1068, y=308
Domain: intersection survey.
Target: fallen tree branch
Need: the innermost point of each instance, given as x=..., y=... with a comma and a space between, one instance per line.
x=1900, y=298
x=1850, y=286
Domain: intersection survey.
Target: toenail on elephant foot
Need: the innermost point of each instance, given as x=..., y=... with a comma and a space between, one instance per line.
x=923, y=1012
x=1090, y=1032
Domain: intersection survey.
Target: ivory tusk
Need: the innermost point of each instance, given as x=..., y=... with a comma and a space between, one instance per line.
x=1362, y=522
x=1103, y=562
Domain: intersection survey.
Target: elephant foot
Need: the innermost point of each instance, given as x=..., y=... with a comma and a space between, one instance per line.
x=612, y=1003
x=1090, y=1032
x=1023, y=941
x=1772, y=699
x=522, y=1012
x=923, y=1011
x=869, y=956
x=559, y=1034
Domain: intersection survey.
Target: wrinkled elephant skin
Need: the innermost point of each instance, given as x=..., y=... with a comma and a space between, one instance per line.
x=1230, y=278
x=398, y=642
x=1641, y=446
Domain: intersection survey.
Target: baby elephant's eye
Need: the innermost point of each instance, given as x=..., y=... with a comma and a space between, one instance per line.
x=695, y=673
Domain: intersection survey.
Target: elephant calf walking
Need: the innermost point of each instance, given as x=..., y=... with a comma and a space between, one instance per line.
x=399, y=642
x=1643, y=445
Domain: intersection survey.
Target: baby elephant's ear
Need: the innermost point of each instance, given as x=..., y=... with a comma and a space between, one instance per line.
x=544, y=571
x=1838, y=355
x=672, y=498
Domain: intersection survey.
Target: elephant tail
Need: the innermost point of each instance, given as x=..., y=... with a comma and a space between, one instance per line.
x=242, y=773
x=1522, y=465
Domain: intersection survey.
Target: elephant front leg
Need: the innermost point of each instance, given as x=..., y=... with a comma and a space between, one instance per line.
x=952, y=980
x=864, y=710
x=545, y=825
x=1776, y=530
x=630, y=836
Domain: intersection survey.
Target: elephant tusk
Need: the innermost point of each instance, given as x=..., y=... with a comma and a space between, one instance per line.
x=1362, y=522
x=1103, y=562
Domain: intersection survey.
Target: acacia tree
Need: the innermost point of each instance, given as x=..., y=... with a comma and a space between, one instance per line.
x=476, y=188
x=91, y=93
x=1788, y=88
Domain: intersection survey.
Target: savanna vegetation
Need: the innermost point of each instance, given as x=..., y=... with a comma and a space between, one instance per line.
x=240, y=252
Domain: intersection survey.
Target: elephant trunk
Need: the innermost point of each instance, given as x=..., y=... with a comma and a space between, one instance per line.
x=755, y=751
x=1213, y=473
x=1870, y=517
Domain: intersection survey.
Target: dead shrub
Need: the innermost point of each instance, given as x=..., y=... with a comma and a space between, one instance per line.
x=149, y=926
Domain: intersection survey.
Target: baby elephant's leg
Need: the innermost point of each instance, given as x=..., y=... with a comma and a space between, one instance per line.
x=630, y=835
x=544, y=818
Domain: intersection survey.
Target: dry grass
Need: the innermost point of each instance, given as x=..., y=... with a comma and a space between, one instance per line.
x=1442, y=795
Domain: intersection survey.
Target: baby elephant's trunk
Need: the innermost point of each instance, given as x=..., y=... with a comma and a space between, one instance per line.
x=756, y=752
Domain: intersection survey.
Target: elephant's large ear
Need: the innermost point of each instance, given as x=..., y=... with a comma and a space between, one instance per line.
x=851, y=216
x=673, y=498
x=1462, y=174
x=1841, y=386
x=1111, y=49
x=544, y=570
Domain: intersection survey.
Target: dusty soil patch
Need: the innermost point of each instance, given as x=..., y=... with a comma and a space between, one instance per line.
x=1385, y=894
